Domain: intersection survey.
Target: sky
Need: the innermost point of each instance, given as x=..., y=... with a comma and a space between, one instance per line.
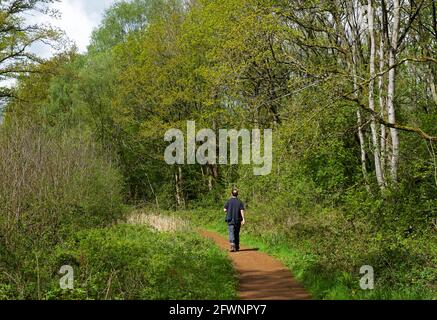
x=78, y=19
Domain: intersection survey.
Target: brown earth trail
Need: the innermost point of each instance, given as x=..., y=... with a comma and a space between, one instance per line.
x=261, y=277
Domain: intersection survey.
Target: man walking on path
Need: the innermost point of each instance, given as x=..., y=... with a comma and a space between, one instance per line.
x=234, y=209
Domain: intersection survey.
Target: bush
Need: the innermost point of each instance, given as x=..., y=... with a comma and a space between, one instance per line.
x=134, y=262
x=51, y=185
x=326, y=249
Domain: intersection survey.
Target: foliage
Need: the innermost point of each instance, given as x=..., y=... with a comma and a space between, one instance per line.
x=340, y=194
x=325, y=252
x=133, y=262
x=50, y=186
x=16, y=37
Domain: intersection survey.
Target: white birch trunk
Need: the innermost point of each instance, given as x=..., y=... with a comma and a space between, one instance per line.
x=431, y=81
x=359, y=119
x=391, y=92
x=373, y=126
x=180, y=198
x=382, y=100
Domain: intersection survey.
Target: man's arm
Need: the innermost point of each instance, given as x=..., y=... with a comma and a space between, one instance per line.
x=242, y=209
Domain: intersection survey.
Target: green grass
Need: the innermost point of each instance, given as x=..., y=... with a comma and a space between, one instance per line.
x=137, y=263
x=322, y=282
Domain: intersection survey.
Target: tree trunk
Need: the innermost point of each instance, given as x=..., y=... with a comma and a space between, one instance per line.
x=363, y=150
x=153, y=192
x=382, y=101
x=359, y=119
x=391, y=92
x=180, y=198
x=209, y=177
x=431, y=81
x=373, y=126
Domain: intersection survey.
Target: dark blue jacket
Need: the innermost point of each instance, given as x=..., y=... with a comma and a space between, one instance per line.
x=233, y=208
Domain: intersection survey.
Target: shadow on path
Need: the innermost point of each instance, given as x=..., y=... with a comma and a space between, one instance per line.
x=246, y=250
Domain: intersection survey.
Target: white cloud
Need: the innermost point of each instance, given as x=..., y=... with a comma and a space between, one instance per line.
x=78, y=19
x=76, y=22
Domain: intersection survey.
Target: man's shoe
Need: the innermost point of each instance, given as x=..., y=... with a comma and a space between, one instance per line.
x=233, y=248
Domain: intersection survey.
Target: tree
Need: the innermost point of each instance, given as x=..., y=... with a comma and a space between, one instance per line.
x=372, y=65
x=16, y=38
x=391, y=89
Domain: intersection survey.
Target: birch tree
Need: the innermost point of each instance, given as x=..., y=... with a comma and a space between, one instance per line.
x=382, y=84
x=391, y=90
x=372, y=64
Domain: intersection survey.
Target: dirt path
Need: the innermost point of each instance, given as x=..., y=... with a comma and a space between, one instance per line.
x=261, y=276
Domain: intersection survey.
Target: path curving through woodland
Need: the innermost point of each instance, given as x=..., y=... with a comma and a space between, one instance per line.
x=261, y=277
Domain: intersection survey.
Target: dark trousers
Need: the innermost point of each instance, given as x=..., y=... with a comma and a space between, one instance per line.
x=234, y=234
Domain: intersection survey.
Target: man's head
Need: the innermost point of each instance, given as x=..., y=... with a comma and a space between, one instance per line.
x=235, y=192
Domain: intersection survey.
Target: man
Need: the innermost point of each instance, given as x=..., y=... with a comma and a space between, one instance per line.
x=234, y=209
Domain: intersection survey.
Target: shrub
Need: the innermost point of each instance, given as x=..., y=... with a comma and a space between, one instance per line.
x=51, y=185
x=134, y=262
